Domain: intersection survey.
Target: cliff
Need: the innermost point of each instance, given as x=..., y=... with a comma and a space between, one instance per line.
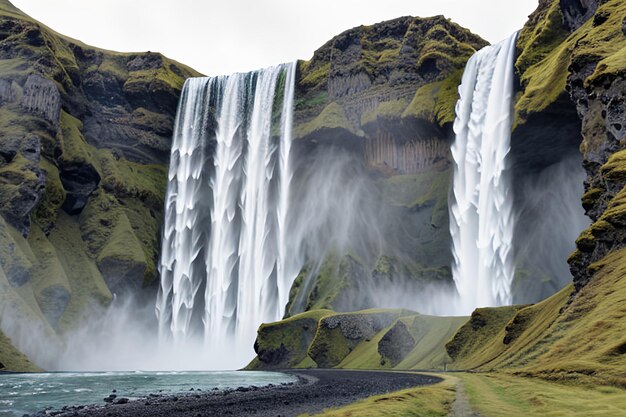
x=84, y=141
x=382, y=99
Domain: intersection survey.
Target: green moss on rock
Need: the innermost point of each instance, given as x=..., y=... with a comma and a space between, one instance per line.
x=50, y=283
x=86, y=282
x=284, y=344
x=484, y=326
x=53, y=197
x=548, y=51
x=332, y=117
x=74, y=147
x=340, y=334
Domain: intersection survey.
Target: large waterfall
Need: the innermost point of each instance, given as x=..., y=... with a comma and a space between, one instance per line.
x=481, y=207
x=224, y=253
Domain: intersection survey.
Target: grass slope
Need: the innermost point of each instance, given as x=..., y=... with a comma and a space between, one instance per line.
x=12, y=359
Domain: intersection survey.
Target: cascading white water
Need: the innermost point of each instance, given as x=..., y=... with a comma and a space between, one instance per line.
x=481, y=206
x=223, y=262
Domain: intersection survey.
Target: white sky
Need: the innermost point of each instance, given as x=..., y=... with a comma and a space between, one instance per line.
x=226, y=36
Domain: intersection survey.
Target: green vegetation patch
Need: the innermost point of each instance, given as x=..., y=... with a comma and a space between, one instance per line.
x=86, y=282
x=332, y=117
x=124, y=178
x=388, y=110
x=285, y=344
x=74, y=147
x=431, y=334
x=45, y=213
x=495, y=395
x=548, y=52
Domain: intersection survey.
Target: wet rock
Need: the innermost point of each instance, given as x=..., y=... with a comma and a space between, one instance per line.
x=110, y=398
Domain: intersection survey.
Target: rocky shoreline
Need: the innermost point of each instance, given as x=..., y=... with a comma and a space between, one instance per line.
x=315, y=391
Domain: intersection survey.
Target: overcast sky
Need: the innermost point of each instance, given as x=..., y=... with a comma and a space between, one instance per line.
x=226, y=36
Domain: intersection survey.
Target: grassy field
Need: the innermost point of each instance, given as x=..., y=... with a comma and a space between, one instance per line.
x=506, y=395
x=493, y=395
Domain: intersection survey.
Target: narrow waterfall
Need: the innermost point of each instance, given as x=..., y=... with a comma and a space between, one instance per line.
x=224, y=252
x=481, y=206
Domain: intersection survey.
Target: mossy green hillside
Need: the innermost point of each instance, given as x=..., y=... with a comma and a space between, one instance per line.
x=485, y=328
x=12, y=359
x=331, y=118
x=86, y=282
x=284, y=344
x=548, y=52
x=13, y=259
x=430, y=334
x=359, y=340
x=436, y=102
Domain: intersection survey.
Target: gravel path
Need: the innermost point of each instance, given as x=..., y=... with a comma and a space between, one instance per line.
x=315, y=391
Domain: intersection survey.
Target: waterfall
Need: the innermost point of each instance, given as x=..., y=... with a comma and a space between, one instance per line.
x=224, y=253
x=481, y=206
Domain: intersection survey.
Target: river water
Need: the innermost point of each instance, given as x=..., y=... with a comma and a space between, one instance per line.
x=28, y=393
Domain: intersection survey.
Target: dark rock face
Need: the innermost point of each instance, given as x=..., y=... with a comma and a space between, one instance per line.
x=41, y=96
x=353, y=70
x=7, y=95
x=603, y=116
x=23, y=181
x=358, y=327
x=546, y=138
x=577, y=12
x=76, y=122
x=396, y=344
x=80, y=181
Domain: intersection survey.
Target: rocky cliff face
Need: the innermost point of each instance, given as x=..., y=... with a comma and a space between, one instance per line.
x=84, y=142
x=580, y=45
x=388, y=87
x=596, y=84
x=383, y=96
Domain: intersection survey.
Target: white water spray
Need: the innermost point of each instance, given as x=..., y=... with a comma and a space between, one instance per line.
x=481, y=208
x=223, y=265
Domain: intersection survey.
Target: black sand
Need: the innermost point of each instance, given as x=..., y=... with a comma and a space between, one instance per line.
x=316, y=390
